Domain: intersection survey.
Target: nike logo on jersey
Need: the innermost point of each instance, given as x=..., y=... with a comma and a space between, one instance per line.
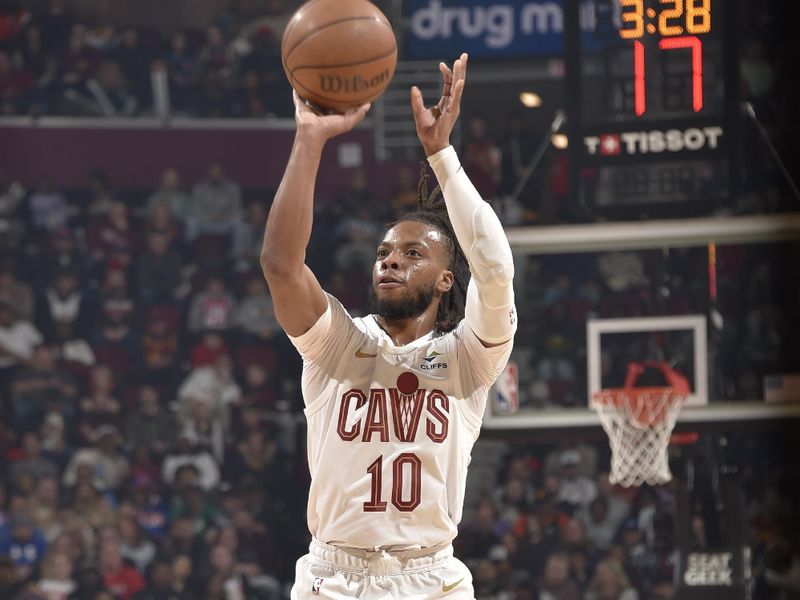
x=360, y=354
x=447, y=587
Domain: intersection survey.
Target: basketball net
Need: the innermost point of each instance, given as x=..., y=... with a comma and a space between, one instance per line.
x=639, y=421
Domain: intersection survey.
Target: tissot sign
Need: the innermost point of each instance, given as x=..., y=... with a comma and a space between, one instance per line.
x=440, y=28
x=653, y=141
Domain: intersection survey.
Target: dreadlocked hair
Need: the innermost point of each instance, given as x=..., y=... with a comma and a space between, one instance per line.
x=432, y=211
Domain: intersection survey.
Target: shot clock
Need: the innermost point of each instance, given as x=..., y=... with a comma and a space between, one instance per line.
x=652, y=105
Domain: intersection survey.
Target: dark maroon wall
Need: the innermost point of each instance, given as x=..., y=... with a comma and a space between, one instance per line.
x=135, y=158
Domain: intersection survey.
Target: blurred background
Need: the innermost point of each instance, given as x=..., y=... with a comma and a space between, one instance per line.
x=643, y=162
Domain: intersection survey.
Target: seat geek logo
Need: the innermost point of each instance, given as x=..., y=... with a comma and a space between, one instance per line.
x=485, y=29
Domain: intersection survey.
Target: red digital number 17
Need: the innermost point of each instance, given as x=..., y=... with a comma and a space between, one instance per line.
x=671, y=43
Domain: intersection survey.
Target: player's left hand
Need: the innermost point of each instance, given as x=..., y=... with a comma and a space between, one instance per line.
x=435, y=124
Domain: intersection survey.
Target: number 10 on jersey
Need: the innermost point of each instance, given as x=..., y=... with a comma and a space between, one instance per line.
x=406, y=464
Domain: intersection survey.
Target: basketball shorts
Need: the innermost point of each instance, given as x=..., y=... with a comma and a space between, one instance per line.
x=336, y=573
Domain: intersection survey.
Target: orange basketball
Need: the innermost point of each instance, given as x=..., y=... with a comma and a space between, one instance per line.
x=338, y=54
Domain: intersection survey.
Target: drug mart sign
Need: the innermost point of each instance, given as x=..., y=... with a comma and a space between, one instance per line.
x=486, y=28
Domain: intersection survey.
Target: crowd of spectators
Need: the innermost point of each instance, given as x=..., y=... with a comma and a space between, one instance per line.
x=54, y=63
x=752, y=320
x=148, y=422
x=552, y=527
x=152, y=432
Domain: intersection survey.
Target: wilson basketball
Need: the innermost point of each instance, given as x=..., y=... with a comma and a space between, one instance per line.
x=339, y=54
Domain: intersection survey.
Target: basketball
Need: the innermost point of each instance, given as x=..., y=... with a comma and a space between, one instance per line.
x=339, y=54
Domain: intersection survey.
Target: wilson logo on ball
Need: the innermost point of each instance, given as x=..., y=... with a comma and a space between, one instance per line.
x=334, y=84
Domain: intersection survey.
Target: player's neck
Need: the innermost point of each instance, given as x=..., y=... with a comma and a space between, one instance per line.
x=405, y=331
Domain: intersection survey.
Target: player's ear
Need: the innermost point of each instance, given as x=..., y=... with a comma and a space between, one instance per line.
x=446, y=280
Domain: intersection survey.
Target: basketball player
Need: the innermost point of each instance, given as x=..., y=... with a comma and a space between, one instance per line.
x=394, y=401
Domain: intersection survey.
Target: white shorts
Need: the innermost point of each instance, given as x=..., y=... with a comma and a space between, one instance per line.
x=337, y=573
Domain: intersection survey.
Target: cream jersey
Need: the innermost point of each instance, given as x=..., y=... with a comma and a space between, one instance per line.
x=390, y=429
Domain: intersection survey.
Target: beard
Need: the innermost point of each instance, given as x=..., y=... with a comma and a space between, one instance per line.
x=410, y=304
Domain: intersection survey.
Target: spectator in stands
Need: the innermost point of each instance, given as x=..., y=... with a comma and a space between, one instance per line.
x=15, y=292
x=39, y=387
x=78, y=66
x=47, y=209
x=56, y=23
x=249, y=98
x=610, y=583
x=212, y=308
x=172, y=194
x=108, y=93
x=481, y=157
x=254, y=316
x=31, y=462
x=257, y=455
x=63, y=303
x=159, y=270
x=102, y=35
x=216, y=59
x=89, y=584
x=134, y=62
x=575, y=489
x=42, y=67
x=247, y=255
x=121, y=579
x=183, y=64
x=15, y=86
x=478, y=536
x=162, y=349
x=556, y=583
x=205, y=422
x=187, y=461
x=217, y=208
x=213, y=386
x=44, y=506
x=210, y=347
x=24, y=543
x=57, y=251
x=160, y=578
x=12, y=193
x=242, y=580
x=601, y=526
x=57, y=581
x=101, y=406
x=111, y=238
x=135, y=546
x=107, y=466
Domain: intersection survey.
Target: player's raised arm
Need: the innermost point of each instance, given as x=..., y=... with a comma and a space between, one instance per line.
x=489, y=309
x=296, y=294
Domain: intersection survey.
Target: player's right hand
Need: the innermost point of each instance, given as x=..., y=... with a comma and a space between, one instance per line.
x=323, y=127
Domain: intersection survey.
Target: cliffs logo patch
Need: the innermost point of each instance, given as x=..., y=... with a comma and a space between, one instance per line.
x=316, y=585
x=430, y=362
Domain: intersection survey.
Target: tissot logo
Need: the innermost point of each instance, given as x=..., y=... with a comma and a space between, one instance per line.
x=653, y=142
x=348, y=85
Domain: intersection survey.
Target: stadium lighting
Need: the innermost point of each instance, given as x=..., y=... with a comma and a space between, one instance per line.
x=560, y=141
x=530, y=99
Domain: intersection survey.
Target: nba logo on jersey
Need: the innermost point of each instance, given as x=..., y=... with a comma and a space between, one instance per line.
x=316, y=585
x=506, y=390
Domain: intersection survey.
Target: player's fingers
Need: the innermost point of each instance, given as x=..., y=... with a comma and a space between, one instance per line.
x=417, y=105
x=455, y=101
x=460, y=67
x=447, y=83
x=354, y=115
